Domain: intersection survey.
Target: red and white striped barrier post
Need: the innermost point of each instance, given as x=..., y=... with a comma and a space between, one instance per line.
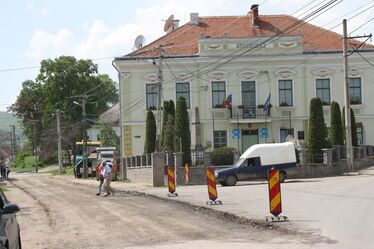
x=212, y=188
x=275, y=199
x=171, y=182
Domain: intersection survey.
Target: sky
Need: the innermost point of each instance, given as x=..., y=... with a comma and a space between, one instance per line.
x=33, y=30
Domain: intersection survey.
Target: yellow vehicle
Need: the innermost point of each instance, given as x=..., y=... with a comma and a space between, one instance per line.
x=80, y=159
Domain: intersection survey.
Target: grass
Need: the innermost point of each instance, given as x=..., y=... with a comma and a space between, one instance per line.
x=68, y=170
x=28, y=165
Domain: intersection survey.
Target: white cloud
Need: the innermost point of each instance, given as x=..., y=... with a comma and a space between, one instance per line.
x=44, y=12
x=44, y=44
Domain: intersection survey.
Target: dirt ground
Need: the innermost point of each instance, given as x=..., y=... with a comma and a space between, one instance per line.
x=55, y=214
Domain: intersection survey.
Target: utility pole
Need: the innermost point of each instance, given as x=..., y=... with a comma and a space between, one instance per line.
x=35, y=150
x=13, y=142
x=11, y=145
x=347, y=109
x=159, y=76
x=84, y=121
x=59, y=140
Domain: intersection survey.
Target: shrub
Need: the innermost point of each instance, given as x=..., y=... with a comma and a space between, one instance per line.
x=336, y=125
x=317, y=130
x=150, y=133
x=223, y=156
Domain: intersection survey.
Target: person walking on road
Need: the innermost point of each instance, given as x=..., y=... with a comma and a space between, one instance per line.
x=107, y=180
x=101, y=176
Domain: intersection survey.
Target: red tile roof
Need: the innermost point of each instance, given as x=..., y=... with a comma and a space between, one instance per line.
x=184, y=40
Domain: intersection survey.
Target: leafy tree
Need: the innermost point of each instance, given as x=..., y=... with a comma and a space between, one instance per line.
x=353, y=127
x=336, y=125
x=317, y=131
x=150, y=133
x=108, y=137
x=182, y=133
x=59, y=83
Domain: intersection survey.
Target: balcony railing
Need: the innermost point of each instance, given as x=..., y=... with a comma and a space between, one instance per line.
x=246, y=112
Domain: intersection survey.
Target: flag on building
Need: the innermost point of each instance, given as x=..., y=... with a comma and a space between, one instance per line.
x=227, y=102
x=186, y=173
x=267, y=104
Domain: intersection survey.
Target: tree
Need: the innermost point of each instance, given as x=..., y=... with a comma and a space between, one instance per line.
x=57, y=83
x=169, y=134
x=168, y=126
x=164, y=122
x=150, y=133
x=108, y=137
x=317, y=134
x=336, y=125
x=353, y=127
x=182, y=133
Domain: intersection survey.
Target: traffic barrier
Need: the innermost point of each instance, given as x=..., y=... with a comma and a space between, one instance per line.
x=171, y=182
x=186, y=173
x=275, y=200
x=212, y=188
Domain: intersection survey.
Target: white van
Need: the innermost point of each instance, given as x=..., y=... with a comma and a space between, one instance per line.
x=256, y=161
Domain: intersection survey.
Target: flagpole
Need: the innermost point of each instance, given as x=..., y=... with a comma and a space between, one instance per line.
x=266, y=127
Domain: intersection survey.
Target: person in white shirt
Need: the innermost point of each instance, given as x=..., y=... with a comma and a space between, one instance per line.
x=101, y=176
x=107, y=179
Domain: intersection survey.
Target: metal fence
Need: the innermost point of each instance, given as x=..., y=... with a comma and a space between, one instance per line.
x=197, y=158
x=139, y=161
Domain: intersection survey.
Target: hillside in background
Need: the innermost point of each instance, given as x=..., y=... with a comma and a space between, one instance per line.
x=6, y=120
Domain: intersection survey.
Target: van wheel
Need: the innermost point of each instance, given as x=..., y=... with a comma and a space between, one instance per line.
x=283, y=176
x=231, y=180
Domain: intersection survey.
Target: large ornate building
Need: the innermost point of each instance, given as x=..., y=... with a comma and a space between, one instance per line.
x=250, y=58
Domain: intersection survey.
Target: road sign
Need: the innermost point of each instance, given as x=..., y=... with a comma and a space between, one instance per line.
x=235, y=133
x=263, y=132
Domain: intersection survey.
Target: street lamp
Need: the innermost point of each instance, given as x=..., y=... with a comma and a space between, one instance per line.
x=85, y=156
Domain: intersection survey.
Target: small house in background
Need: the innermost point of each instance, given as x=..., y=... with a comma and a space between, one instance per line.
x=111, y=118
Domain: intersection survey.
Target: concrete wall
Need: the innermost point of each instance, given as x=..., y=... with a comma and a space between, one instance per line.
x=140, y=175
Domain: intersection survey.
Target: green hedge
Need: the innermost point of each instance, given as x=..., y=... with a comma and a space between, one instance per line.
x=223, y=156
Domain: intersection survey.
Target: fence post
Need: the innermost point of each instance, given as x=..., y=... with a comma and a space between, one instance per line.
x=207, y=158
x=370, y=150
x=327, y=156
x=158, y=164
x=179, y=169
x=364, y=153
x=302, y=157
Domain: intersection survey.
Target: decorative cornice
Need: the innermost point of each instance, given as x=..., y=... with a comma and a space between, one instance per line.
x=217, y=75
x=183, y=76
x=151, y=77
x=125, y=75
x=354, y=71
x=322, y=72
x=285, y=72
x=248, y=75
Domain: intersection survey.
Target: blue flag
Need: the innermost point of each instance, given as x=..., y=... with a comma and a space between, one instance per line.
x=267, y=103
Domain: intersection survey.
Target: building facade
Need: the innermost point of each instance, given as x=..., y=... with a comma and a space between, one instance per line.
x=230, y=68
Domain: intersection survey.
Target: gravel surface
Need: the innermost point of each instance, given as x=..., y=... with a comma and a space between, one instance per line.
x=58, y=214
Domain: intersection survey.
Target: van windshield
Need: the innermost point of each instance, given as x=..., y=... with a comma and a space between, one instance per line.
x=239, y=162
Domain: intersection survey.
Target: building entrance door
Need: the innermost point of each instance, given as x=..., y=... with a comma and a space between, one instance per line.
x=249, y=138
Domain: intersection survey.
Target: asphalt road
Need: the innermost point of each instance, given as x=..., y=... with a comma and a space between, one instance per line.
x=339, y=210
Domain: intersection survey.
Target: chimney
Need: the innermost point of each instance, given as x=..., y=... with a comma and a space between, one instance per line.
x=194, y=19
x=254, y=15
x=175, y=24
